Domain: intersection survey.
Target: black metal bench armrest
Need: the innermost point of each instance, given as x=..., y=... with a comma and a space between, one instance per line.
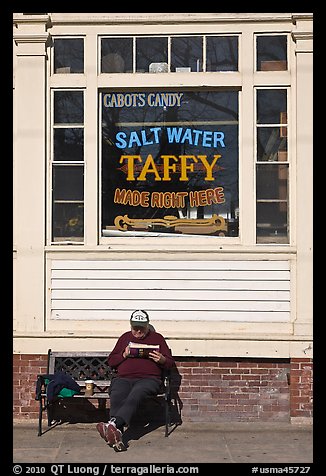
x=167, y=385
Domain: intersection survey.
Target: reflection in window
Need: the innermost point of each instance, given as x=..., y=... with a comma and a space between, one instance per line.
x=272, y=169
x=68, y=203
x=68, y=221
x=268, y=177
x=170, y=160
x=165, y=54
x=187, y=54
x=272, y=203
x=68, y=167
x=68, y=183
x=68, y=107
x=116, y=55
x=68, y=144
x=271, y=106
x=222, y=53
x=271, y=144
x=271, y=53
x=68, y=55
x=150, y=51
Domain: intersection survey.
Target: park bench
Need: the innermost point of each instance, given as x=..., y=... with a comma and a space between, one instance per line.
x=82, y=366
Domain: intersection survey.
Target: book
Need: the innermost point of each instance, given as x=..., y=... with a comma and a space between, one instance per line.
x=142, y=350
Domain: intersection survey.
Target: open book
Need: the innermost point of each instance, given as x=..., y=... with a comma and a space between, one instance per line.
x=142, y=350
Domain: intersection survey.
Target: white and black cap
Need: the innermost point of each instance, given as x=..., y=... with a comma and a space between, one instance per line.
x=139, y=318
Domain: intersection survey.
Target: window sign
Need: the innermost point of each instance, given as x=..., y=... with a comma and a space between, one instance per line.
x=170, y=163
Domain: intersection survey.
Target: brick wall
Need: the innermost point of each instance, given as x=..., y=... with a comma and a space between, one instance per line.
x=25, y=370
x=208, y=389
x=301, y=388
x=234, y=390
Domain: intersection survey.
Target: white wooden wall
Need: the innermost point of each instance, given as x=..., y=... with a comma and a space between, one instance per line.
x=252, y=291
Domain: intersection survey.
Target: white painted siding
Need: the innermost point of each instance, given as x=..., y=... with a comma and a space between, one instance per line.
x=252, y=291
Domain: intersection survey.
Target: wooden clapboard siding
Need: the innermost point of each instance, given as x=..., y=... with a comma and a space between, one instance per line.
x=97, y=283
x=257, y=290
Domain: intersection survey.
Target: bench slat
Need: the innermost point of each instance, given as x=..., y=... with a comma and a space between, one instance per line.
x=95, y=395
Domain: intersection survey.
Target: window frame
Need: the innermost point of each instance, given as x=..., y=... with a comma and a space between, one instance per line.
x=169, y=37
x=262, y=163
x=246, y=84
x=272, y=33
x=64, y=163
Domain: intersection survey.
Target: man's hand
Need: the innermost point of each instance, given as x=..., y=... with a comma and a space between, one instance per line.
x=126, y=352
x=157, y=357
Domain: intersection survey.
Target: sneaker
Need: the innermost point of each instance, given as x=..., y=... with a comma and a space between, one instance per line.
x=114, y=438
x=102, y=429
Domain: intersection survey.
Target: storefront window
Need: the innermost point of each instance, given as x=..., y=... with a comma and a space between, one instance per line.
x=175, y=54
x=272, y=166
x=170, y=163
x=68, y=166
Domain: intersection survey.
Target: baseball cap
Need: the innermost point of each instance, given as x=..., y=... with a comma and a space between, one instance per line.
x=139, y=318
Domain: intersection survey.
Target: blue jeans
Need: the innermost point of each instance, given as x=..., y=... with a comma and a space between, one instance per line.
x=127, y=393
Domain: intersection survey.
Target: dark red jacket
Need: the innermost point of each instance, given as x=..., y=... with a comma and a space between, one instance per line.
x=133, y=367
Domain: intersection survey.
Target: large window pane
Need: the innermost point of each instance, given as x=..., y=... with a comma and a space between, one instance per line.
x=170, y=162
x=187, y=54
x=222, y=53
x=68, y=55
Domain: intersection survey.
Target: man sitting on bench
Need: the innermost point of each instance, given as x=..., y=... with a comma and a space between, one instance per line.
x=139, y=357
